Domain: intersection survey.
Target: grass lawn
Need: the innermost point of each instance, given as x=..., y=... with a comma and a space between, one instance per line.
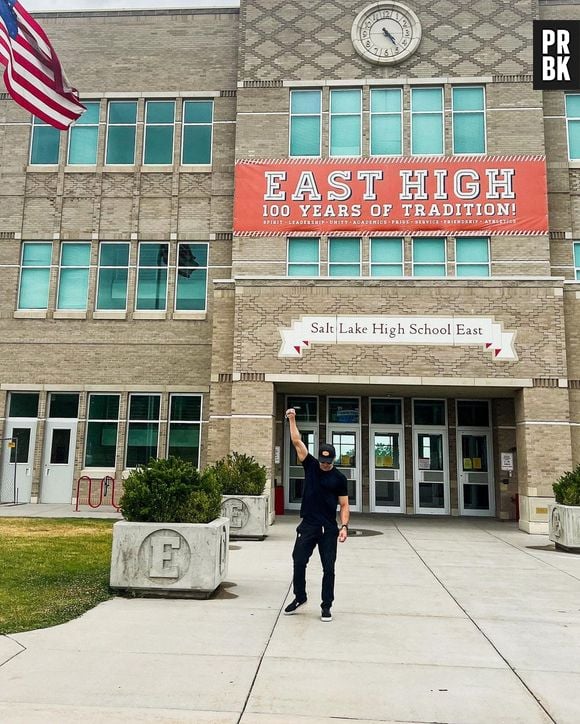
x=51, y=570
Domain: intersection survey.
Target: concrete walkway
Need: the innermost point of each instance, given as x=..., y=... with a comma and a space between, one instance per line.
x=435, y=620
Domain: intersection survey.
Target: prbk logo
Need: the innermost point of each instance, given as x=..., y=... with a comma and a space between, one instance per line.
x=556, y=54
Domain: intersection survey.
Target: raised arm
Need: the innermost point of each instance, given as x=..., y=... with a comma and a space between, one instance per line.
x=299, y=446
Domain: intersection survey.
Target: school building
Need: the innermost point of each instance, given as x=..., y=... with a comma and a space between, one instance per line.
x=360, y=209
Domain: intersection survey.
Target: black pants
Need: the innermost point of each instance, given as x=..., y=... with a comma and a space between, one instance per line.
x=307, y=538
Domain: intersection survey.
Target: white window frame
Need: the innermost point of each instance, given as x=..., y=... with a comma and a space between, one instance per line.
x=294, y=263
x=384, y=113
x=115, y=125
x=413, y=263
x=22, y=267
x=331, y=115
x=454, y=112
x=469, y=264
x=177, y=267
x=305, y=115
x=85, y=125
x=141, y=245
x=185, y=422
x=415, y=113
x=60, y=268
x=129, y=421
x=89, y=420
x=184, y=124
x=345, y=263
x=147, y=126
x=99, y=267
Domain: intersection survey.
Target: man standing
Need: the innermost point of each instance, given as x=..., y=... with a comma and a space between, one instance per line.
x=324, y=488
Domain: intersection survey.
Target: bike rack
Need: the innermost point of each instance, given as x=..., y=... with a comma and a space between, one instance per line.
x=102, y=488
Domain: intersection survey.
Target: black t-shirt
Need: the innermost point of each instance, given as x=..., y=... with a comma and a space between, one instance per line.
x=321, y=492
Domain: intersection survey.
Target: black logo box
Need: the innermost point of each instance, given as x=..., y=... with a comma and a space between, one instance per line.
x=569, y=62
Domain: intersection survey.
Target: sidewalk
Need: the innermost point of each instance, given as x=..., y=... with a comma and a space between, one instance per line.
x=435, y=620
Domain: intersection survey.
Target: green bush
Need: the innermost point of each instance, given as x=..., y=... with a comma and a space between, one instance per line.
x=567, y=489
x=238, y=474
x=170, y=491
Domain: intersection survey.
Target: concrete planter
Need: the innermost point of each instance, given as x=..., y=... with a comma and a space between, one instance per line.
x=565, y=526
x=249, y=515
x=170, y=559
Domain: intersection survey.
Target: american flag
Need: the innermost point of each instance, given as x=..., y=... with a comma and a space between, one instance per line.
x=34, y=76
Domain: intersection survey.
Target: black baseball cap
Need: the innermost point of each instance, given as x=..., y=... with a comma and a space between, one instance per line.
x=326, y=453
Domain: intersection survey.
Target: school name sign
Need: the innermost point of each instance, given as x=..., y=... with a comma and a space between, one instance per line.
x=389, y=196
x=483, y=332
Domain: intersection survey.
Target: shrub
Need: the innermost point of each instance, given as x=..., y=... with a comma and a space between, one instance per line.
x=170, y=491
x=238, y=474
x=567, y=489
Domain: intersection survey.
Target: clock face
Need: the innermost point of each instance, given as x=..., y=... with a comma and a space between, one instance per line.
x=386, y=32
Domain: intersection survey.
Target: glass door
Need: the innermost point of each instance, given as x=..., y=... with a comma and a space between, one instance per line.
x=387, y=481
x=58, y=467
x=430, y=457
x=343, y=431
x=476, y=483
x=17, y=461
x=307, y=421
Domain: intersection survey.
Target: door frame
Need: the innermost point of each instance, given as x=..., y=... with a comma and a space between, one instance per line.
x=386, y=429
x=11, y=423
x=481, y=431
x=51, y=424
x=349, y=427
x=431, y=430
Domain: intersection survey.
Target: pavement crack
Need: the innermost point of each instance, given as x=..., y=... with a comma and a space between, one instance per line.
x=22, y=649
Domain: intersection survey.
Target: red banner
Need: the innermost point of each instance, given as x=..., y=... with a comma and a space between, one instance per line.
x=392, y=196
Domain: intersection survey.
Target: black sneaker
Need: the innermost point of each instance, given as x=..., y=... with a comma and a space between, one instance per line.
x=325, y=615
x=292, y=607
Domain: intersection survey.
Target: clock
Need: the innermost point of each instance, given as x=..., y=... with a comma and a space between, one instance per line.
x=386, y=32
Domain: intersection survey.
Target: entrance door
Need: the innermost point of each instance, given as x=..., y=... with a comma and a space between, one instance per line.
x=476, y=484
x=346, y=443
x=58, y=462
x=17, y=462
x=387, y=478
x=431, y=471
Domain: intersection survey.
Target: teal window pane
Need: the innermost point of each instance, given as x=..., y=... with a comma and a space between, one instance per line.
x=427, y=134
x=386, y=251
x=104, y=407
x=191, y=291
x=386, y=135
x=153, y=255
x=158, y=145
x=196, y=144
x=386, y=270
x=428, y=251
x=184, y=442
x=151, y=289
x=73, y=289
x=192, y=255
x=472, y=270
x=34, y=288
x=37, y=254
x=185, y=408
x=426, y=99
x=160, y=112
x=303, y=250
x=574, y=139
x=344, y=270
x=83, y=145
x=303, y=270
x=75, y=255
x=308, y=102
x=23, y=404
x=305, y=136
x=198, y=112
x=473, y=250
x=120, y=145
x=144, y=407
x=573, y=105
x=468, y=133
x=124, y=112
x=468, y=99
x=344, y=250
x=386, y=100
x=141, y=443
x=90, y=116
x=112, y=289
x=345, y=101
x=577, y=255
x=114, y=255
x=429, y=270
x=345, y=135
x=45, y=145
x=101, y=447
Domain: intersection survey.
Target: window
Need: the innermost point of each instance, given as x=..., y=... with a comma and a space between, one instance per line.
x=386, y=412
x=73, y=280
x=345, y=122
x=343, y=409
x=426, y=121
x=472, y=257
x=197, y=132
x=102, y=428
x=386, y=257
x=35, y=275
x=191, y=287
x=83, y=137
x=577, y=260
x=344, y=258
x=472, y=413
x=468, y=119
x=184, y=427
x=143, y=429
x=23, y=404
x=429, y=257
x=152, y=277
x=303, y=257
x=63, y=405
x=44, y=144
x=386, y=122
x=159, y=132
x=429, y=412
x=573, y=125
x=112, y=276
x=305, y=122
x=121, y=133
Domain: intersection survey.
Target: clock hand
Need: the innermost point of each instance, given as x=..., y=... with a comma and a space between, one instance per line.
x=389, y=36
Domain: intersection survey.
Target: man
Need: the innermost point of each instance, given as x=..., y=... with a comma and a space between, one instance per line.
x=324, y=488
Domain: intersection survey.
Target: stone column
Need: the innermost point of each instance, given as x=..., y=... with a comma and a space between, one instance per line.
x=544, y=450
